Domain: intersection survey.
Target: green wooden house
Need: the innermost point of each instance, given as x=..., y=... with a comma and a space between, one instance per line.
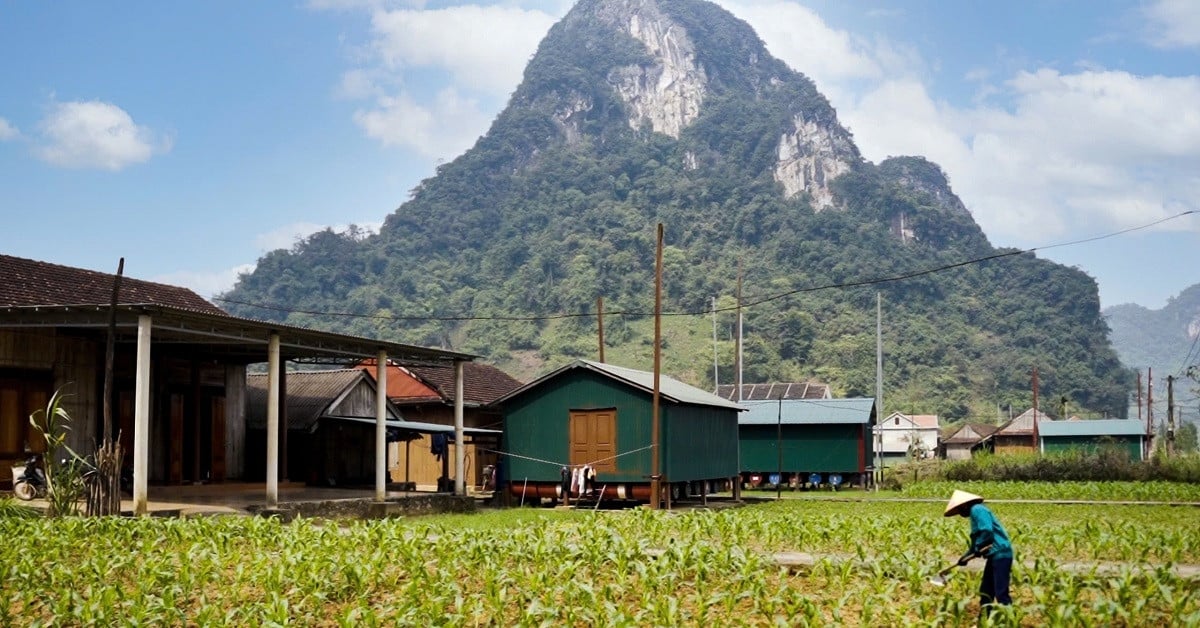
x=595, y=414
x=1090, y=436
x=823, y=437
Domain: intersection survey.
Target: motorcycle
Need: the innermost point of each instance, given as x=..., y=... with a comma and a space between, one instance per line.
x=29, y=480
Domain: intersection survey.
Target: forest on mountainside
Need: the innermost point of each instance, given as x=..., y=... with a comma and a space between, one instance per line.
x=505, y=250
x=1165, y=341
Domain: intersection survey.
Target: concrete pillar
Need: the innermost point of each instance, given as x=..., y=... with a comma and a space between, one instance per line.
x=380, y=425
x=460, y=449
x=141, y=418
x=273, y=374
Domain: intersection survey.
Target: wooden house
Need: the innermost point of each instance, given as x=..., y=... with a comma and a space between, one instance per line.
x=901, y=436
x=1018, y=435
x=329, y=416
x=967, y=439
x=1093, y=435
x=807, y=437
x=426, y=393
x=179, y=371
x=590, y=413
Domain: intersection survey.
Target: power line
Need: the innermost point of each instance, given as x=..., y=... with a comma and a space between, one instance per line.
x=767, y=299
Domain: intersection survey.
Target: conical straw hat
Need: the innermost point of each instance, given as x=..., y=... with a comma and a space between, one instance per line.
x=960, y=498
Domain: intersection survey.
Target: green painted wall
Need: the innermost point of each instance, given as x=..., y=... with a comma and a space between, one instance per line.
x=823, y=448
x=695, y=439
x=701, y=443
x=1090, y=444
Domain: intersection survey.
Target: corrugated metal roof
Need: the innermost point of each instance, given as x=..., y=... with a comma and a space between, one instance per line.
x=1022, y=424
x=670, y=389
x=309, y=395
x=970, y=433
x=1095, y=427
x=775, y=390
x=808, y=411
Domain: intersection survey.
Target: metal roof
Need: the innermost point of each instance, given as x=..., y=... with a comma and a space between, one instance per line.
x=669, y=389
x=1096, y=427
x=775, y=390
x=310, y=395
x=809, y=411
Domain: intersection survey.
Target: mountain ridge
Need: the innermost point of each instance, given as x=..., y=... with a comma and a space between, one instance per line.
x=634, y=112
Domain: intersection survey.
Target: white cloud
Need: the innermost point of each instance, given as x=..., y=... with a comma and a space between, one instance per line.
x=481, y=47
x=205, y=283
x=8, y=131
x=1104, y=150
x=799, y=37
x=478, y=52
x=441, y=129
x=95, y=134
x=1173, y=23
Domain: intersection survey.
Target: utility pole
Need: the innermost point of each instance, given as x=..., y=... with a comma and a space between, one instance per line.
x=878, y=389
x=655, y=477
x=1150, y=403
x=738, y=344
x=1146, y=440
x=716, y=372
x=1170, y=415
x=779, y=448
x=600, y=324
x=1035, y=409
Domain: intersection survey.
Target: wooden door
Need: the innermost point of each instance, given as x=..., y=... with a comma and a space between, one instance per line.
x=20, y=397
x=593, y=438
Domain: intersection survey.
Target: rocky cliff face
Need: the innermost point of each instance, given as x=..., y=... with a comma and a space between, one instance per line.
x=667, y=89
x=810, y=156
x=666, y=93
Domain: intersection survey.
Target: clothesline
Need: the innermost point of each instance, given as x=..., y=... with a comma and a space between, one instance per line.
x=567, y=464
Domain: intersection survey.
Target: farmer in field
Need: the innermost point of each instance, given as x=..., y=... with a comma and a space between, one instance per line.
x=988, y=540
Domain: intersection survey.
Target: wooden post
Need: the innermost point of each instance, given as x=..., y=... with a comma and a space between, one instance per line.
x=460, y=450
x=273, y=375
x=141, y=418
x=380, y=425
x=110, y=351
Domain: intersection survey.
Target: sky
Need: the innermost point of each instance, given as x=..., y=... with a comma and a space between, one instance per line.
x=192, y=137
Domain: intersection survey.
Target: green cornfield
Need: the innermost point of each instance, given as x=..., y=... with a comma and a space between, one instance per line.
x=1077, y=565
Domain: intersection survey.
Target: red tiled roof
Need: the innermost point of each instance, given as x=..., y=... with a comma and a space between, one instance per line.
x=25, y=282
x=482, y=383
x=771, y=392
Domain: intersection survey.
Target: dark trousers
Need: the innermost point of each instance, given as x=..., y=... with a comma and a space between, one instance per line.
x=993, y=589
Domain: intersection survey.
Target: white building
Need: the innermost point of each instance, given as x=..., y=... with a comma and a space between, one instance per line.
x=904, y=435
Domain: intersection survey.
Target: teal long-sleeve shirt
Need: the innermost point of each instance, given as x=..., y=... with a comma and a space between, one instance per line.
x=986, y=530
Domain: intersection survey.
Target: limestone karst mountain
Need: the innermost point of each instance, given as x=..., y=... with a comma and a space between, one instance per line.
x=634, y=112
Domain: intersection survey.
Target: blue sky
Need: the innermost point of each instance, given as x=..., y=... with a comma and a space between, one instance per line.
x=191, y=137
